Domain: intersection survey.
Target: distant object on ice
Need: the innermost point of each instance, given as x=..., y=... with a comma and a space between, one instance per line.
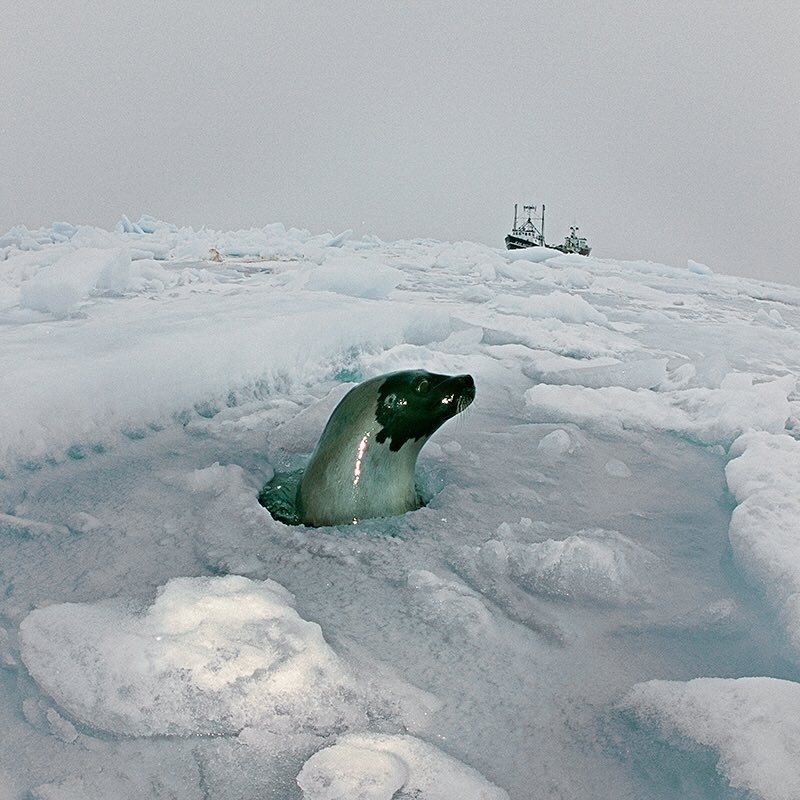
x=528, y=235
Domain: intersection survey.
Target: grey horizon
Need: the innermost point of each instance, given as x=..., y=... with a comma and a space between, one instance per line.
x=667, y=132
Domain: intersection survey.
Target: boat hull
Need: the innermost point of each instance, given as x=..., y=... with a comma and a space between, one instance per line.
x=581, y=251
x=518, y=243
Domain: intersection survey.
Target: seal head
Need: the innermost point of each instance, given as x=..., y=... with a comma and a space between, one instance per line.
x=363, y=465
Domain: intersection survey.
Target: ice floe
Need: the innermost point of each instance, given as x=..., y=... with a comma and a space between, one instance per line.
x=751, y=724
x=162, y=635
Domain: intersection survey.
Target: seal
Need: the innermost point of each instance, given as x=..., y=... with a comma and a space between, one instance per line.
x=363, y=465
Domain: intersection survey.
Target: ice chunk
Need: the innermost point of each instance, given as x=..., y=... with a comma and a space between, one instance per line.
x=534, y=254
x=697, y=268
x=149, y=224
x=340, y=239
x=557, y=305
x=62, y=231
x=210, y=656
x=617, y=468
x=126, y=226
x=61, y=728
x=569, y=339
x=59, y=287
x=764, y=477
x=349, y=772
x=753, y=724
x=607, y=409
x=477, y=294
x=354, y=276
x=81, y=522
x=706, y=415
x=662, y=270
x=571, y=278
x=20, y=238
x=469, y=258
x=646, y=373
x=377, y=767
x=555, y=444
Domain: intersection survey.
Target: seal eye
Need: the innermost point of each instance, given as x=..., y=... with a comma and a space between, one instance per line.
x=390, y=401
x=423, y=386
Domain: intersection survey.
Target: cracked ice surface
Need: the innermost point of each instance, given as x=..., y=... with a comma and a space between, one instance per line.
x=601, y=592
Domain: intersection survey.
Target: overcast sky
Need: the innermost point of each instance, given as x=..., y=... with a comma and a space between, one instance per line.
x=666, y=130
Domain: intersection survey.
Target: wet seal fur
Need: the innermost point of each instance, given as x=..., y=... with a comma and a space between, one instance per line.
x=363, y=465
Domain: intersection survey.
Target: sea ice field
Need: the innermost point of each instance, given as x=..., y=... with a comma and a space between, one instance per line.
x=601, y=600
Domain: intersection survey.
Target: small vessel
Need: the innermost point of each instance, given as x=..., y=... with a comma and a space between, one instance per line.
x=528, y=235
x=574, y=243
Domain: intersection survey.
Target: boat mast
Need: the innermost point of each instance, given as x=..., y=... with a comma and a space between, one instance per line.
x=515, y=217
x=542, y=228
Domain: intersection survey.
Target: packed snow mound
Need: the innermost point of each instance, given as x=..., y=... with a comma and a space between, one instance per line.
x=593, y=565
x=378, y=767
x=448, y=604
x=752, y=724
x=209, y=656
x=764, y=477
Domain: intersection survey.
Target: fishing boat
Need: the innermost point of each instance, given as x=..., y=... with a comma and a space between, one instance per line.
x=528, y=234
x=574, y=243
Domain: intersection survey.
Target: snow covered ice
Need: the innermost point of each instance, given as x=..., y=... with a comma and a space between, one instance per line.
x=600, y=600
x=182, y=658
x=751, y=724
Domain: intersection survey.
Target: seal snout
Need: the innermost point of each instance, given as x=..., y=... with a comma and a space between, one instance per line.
x=463, y=390
x=467, y=382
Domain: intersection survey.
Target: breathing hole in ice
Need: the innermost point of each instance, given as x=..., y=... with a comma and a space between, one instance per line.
x=279, y=494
